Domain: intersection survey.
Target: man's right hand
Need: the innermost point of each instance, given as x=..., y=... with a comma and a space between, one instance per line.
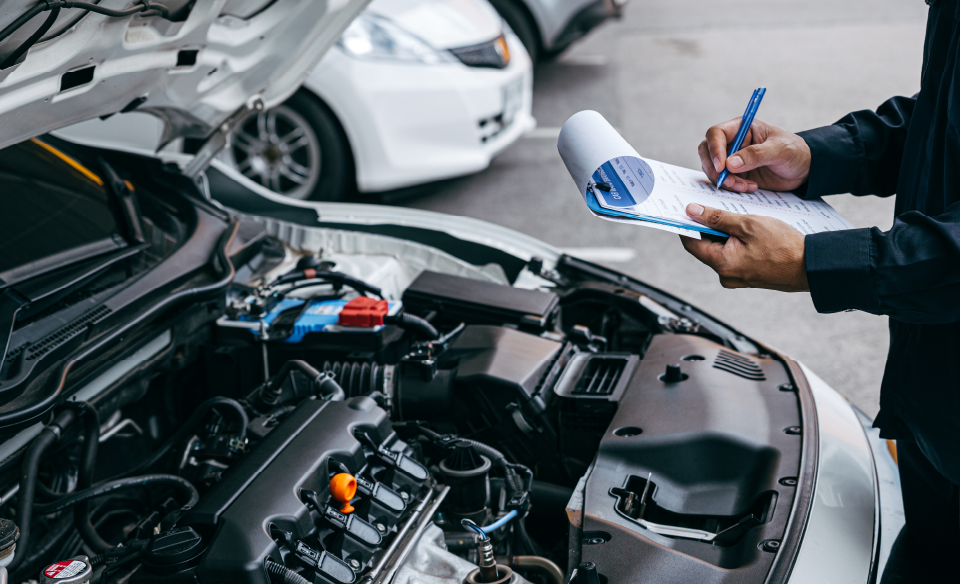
x=770, y=158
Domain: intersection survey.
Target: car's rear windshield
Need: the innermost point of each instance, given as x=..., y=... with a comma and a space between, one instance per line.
x=52, y=209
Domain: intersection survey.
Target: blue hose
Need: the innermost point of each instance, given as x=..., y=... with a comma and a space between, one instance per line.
x=499, y=522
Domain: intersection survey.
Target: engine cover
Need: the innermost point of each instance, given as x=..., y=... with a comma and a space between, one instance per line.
x=261, y=492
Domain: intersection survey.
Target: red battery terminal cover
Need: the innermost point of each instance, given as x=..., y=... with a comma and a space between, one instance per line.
x=363, y=311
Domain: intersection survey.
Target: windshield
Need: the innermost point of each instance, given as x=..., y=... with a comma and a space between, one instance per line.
x=53, y=210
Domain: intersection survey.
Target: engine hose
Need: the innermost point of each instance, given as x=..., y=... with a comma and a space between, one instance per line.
x=326, y=385
x=88, y=459
x=357, y=377
x=414, y=324
x=28, y=479
x=189, y=427
x=514, y=484
x=280, y=574
x=151, y=480
x=55, y=536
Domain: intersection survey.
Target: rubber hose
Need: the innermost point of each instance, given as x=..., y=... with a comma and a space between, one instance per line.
x=54, y=537
x=121, y=484
x=513, y=480
x=326, y=385
x=282, y=575
x=415, y=324
x=190, y=426
x=88, y=460
x=28, y=479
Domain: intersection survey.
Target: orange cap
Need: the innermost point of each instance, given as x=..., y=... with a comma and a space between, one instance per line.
x=343, y=488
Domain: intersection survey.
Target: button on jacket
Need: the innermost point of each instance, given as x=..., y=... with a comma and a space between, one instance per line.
x=910, y=146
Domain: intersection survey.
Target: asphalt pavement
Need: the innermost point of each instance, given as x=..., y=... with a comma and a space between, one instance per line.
x=662, y=75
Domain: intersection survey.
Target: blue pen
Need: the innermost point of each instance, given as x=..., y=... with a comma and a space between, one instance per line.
x=745, y=122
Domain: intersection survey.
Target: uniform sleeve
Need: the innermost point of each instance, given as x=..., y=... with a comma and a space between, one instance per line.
x=911, y=273
x=859, y=154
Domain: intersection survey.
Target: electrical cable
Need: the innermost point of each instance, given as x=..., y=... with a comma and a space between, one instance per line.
x=322, y=277
x=499, y=522
x=109, y=487
x=57, y=5
x=32, y=40
x=280, y=574
x=469, y=524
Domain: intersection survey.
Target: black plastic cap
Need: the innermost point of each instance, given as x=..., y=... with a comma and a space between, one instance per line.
x=175, y=546
x=587, y=573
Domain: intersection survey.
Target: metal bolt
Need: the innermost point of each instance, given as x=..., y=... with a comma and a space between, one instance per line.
x=594, y=541
x=786, y=387
x=793, y=430
x=770, y=545
x=788, y=482
x=404, y=496
x=381, y=528
x=355, y=565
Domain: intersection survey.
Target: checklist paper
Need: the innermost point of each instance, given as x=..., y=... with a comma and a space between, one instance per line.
x=619, y=185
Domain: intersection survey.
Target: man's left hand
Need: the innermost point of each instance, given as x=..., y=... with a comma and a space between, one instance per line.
x=761, y=252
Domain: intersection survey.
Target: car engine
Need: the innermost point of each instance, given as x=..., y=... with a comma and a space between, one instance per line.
x=316, y=427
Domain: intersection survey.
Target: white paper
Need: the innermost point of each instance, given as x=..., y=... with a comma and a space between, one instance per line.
x=649, y=191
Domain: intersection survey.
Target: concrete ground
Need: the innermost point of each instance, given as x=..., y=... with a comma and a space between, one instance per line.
x=662, y=75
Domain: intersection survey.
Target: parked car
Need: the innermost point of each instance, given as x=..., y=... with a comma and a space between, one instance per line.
x=414, y=91
x=547, y=27
x=241, y=387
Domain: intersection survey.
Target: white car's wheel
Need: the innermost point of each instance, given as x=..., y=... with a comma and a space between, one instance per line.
x=296, y=149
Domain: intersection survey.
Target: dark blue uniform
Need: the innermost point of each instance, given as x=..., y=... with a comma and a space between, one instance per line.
x=909, y=147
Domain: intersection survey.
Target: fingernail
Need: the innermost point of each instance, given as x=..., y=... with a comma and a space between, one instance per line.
x=694, y=210
x=734, y=162
x=716, y=164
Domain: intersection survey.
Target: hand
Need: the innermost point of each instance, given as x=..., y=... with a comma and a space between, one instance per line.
x=770, y=158
x=761, y=252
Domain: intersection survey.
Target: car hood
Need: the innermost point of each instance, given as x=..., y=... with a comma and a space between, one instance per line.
x=196, y=69
x=445, y=24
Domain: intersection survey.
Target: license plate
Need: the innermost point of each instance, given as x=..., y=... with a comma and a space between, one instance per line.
x=512, y=100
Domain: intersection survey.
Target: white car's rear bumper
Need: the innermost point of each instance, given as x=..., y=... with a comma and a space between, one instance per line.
x=410, y=124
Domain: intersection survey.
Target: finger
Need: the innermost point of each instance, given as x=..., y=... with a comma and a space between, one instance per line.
x=718, y=139
x=706, y=163
x=754, y=156
x=706, y=251
x=732, y=283
x=725, y=221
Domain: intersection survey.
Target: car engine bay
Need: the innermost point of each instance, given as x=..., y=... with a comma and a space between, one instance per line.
x=346, y=416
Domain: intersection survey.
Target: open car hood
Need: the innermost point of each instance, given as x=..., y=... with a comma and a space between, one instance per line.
x=199, y=68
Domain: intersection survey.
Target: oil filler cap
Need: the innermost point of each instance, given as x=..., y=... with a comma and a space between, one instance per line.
x=73, y=571
x=169, y=550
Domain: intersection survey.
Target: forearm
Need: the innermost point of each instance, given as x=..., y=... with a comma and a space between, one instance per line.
x=911, y=273
x=861, y=153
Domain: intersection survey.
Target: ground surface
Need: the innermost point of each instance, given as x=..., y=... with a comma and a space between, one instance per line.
x=663, y=74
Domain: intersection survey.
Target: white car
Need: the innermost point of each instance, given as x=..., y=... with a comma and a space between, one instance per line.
x=414, y=91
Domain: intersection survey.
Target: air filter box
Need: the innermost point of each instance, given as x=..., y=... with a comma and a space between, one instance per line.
x=457, y=299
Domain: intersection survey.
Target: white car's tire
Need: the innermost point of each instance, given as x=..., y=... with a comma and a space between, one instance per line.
x=297, y=149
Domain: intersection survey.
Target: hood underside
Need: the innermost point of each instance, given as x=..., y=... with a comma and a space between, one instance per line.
x=193, y=64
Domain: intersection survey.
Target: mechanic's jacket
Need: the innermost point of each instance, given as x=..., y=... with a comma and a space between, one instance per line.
x=909, y=147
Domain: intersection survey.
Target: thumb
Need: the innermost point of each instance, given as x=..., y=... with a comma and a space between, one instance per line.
x=753, y=156
x=724, y=221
